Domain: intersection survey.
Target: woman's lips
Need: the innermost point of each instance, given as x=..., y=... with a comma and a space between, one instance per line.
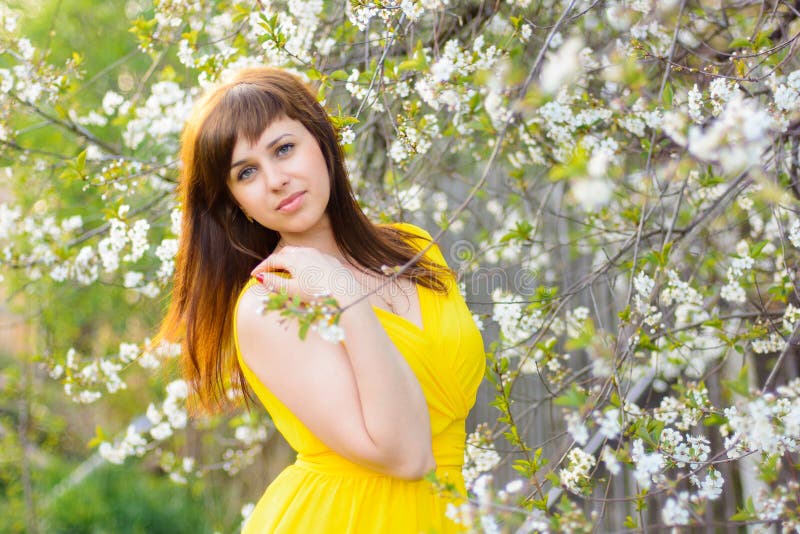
x=292, y=202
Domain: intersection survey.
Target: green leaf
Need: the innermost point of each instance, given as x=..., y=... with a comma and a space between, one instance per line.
x=80, y=163
x=745, y=514
x=667, y=95
x=99, y=437
x=741, y=384
x=756, y=249
x=586, y=337
x=762, y=40
x=574, y=397
x=715, y=419
x=741, y=42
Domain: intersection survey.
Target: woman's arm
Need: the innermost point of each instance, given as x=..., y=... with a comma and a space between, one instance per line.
x=361, y=399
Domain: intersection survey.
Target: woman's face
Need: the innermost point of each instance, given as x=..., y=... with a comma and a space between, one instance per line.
x=281, y=180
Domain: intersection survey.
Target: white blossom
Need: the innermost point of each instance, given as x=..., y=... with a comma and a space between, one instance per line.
x=577, y=472
x=794, y=233
x=562, y=66
x=592, y=193
x=676, y=510
x=710, y=486
x=161, y=431
x=480, y=456
x=609, y=458
x=332, y=333
x=647, y=465
x=576, y=428
x=609, y=423
x=695, y=103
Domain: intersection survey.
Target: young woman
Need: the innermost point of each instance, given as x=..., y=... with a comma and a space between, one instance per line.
x=263, y=177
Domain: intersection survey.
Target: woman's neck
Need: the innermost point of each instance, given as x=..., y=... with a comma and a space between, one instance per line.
x=321, y=239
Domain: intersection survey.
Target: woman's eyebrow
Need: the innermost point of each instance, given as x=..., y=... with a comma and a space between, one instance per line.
x=269, y=145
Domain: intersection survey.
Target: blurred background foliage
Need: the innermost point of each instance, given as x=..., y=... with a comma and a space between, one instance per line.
x=66, y=492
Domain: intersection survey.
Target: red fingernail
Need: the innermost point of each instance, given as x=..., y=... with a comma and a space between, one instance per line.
x=259, y=277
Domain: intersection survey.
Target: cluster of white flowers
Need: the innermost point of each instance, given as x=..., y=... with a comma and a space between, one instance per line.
x=178, y=467
x=219, y=27
x=678, y=291
x=639, y=117
x=234, y=460
x=644, y=286
x=412, y=140
x=250, y=434
x=735, y=139
x=576, y=427
x=479, y=515
x=610, y=460
x=710, y=486
x=160, y=423
x=647, y=465
x=733, y=291
x=686, y=412
x=720, y=92
x=121, y=244
x=172, y=414
x=561, y=122
x=330, y=332
x=82, y=383
x=31, y=80
x=577, y=473
x=575, y=321
x=769, y=423
x=794, y=233
x=443, y=88
x=787, y=95
x=610, y=423
x=480, y=455
x=676, y=510
x=166, y=252
x=791, y=316
x=132, y=444
x=768, y=345
x=654, y=34
x=161, y=118
x=561, y=67
x=770, y=507
x=298, y=23
x=695, y=104
x=693, y=451
x=410, y=198
x=516, y=323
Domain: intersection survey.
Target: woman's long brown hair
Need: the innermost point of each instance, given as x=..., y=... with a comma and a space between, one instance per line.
x=219, y=246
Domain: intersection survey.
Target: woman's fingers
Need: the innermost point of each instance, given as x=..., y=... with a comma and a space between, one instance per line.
x=274, y=281
x=272, y=263
x=306, y=273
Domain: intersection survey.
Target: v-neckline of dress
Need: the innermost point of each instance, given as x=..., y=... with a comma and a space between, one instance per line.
x=421, y=303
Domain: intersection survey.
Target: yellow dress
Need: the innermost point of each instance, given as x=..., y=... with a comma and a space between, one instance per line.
x=327, y=494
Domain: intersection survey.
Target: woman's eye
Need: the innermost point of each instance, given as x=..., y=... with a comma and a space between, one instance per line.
x=246, y=173
x=284, y=149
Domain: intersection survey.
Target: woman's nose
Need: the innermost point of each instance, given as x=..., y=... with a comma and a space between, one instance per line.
x=275, y=178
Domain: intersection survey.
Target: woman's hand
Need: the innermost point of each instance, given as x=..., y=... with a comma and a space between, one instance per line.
x=367, y=404
x=307, y=273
